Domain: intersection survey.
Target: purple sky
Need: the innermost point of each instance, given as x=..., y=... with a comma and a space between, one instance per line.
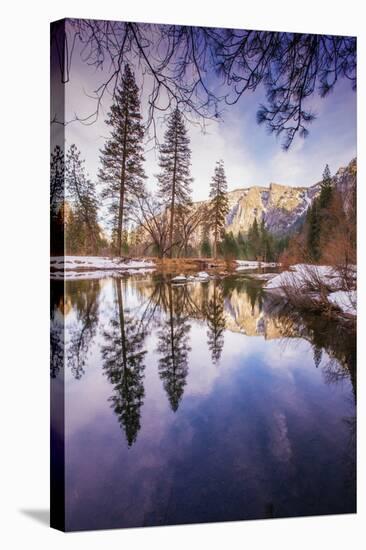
x=251, y=156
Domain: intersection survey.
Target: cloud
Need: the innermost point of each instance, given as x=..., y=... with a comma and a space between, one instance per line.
x=251, y=156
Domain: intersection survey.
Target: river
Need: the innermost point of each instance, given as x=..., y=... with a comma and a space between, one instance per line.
x=208, y=401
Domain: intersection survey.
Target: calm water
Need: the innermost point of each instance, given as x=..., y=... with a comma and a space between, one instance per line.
x=199, y=403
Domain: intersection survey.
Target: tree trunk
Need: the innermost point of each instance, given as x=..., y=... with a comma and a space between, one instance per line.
x=215, y=236
x=122, y=190
x=172, y=206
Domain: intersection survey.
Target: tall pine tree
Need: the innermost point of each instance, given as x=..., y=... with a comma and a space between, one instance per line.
x=122, y=158
x=219, y=205
x=313, y=231
x=325, y=188
x=175, y=162
x=57, y=195
x=254, y=240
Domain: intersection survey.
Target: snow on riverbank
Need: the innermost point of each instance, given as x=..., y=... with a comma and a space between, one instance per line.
x=91, y=263
x=317, y=279
x=304, y=275
x=345, y=300
x=69, y=275
x=243, y=265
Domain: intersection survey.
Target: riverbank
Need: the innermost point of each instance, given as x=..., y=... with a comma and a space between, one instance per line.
x=324, y=289
x=77, y=267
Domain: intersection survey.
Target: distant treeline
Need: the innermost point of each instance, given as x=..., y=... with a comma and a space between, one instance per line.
x=328, y=234
x=257, y=244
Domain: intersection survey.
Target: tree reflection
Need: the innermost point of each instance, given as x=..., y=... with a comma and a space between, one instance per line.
x=335, y=336
x=173, y=346
x=83, y=297
x=123, y=363
x=317, y=353
x=216, y=323
x=57, y=331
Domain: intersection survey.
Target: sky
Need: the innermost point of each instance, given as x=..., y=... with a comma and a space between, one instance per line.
x=251, y=156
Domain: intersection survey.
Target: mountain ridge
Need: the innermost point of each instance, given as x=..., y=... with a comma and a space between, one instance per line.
x=282, y=207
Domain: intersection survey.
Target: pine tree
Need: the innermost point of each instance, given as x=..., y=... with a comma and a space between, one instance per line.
x=266, y=243
x=57, y=192
x=57, y=181
x=254, y=239
x=81, y=195
x=242, y=246
x=205, y=248
x=122, y=170
x=219, y=205
x=326, y=188
x=175, y=161
x=313, y=231
x=228, y=246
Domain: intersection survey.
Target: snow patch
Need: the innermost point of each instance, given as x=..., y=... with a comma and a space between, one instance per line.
x=345, y=299
x=253, y=264
x=301, y=274
x=84, y=263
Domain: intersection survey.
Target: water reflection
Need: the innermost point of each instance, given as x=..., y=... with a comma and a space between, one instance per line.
x=123, y=363
x=336, y=337
x=83, y=301
x=57, y=332
x=235, y=304
x=228, y=403
x=173, y=344
x=215, y=322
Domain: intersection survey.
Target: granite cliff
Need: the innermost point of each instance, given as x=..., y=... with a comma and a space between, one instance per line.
x=282, y=207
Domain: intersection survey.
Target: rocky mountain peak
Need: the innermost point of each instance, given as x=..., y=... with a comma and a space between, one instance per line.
x=282, y=207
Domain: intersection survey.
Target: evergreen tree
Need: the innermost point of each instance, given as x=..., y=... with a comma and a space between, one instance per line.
x=81, y=195
x=205, y=248
x=313, y=231
x=122, y=171
x=175, y=161
x=242, y=246
x=229, y=246
x=57, y=179
x=219, y=205
x=266, y=243
x=254, y=239
x=326, y=188
x=57, y=192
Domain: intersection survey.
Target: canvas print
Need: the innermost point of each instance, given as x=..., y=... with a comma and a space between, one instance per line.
x=203, y=274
